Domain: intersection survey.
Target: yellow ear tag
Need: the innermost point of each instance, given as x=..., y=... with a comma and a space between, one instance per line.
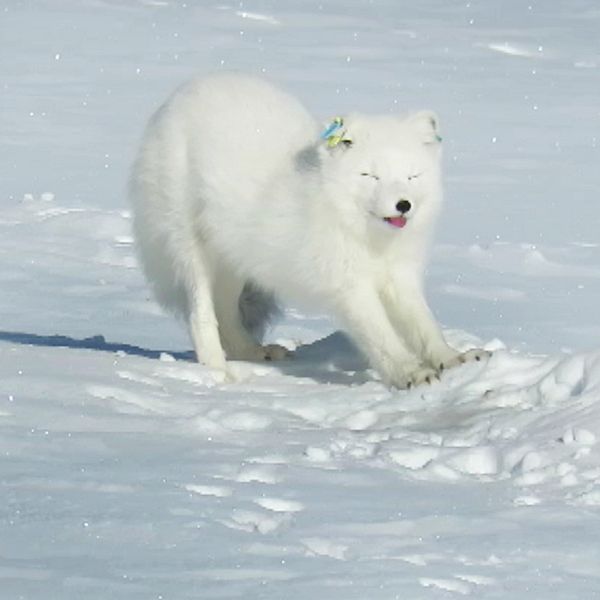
x=334, y=140
x=334, y=134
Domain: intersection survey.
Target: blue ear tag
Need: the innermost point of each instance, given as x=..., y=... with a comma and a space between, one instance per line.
x=334, y=134
x=334, y=126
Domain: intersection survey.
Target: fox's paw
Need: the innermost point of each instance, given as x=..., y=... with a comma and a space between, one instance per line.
x=477, y=354
x=420, y=376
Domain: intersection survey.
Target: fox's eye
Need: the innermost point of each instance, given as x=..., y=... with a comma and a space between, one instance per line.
x=370, y=175
x=411, y=177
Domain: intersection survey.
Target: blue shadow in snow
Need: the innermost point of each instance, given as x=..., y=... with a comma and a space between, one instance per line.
x=96, y=342
x=333, y=359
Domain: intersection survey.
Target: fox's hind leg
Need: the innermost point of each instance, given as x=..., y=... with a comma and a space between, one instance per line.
x=238, y=342
x=202, y=318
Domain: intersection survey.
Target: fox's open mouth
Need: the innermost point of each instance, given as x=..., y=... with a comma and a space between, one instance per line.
x=399, y=221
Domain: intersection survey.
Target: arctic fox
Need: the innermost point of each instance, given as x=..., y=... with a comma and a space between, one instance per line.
x=239, y=194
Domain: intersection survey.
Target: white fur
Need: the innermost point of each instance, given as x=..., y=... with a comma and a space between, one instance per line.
x=234, y=185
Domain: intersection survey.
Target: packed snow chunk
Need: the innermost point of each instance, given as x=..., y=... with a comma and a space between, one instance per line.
x=315, y=454
x=576, y=435
x=448, y=585
x=582, y=452
x=571, y=370
x=584, y=437
x=531, y=478
x=564, y=381
x=482, y=460
x=532, y=461
x=526, y=501
x=325, y=547
x=591, y=498
x=209, y=490
x=259, y=474
x=513, y=458
x=361, y=420
x=139, y=378
x=476, y=579
x=569, y=480
x=361, y=450
x=565, y=468
x=280, y=505
x=419, y=560
x=415, y=458
x=591, y=475
x=442, y=471
x=552, y=391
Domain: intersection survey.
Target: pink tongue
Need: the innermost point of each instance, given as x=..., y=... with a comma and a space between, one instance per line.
x=397, y=221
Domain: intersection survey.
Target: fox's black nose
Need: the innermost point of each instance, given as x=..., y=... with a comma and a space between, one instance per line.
x=403, y=206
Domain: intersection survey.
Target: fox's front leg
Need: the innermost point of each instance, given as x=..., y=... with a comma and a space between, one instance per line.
x=412, y=317
x=368, y=323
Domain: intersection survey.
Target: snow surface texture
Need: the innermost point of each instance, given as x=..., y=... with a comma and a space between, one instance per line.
x=128, y=471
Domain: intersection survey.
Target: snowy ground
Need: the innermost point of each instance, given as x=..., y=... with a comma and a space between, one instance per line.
x=128, y=471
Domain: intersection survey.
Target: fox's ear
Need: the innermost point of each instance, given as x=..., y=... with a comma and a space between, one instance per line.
x=426, y=122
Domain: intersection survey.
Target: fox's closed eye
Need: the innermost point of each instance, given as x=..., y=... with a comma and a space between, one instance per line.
x=370, y=175
x=411, y=177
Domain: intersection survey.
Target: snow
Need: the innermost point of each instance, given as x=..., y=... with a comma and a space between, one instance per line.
x=129, y=471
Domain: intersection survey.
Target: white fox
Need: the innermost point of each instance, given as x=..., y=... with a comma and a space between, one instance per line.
x=239, y=194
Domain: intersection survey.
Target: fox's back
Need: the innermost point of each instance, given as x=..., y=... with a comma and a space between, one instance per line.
x=236, y=132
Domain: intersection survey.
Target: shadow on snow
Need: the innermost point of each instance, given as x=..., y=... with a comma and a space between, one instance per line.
x=96, y=342
x=333, y=359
